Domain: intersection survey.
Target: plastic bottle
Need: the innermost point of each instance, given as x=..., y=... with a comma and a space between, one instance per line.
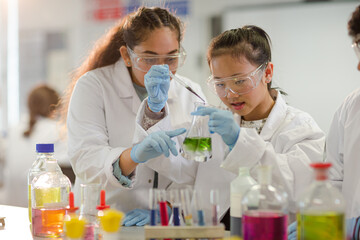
x=264, y=210
x=238, y=187
x=321, y=208
x=49, y=193
x=43, y=152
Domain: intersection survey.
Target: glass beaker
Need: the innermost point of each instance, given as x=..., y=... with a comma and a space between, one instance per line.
x=197, y=142
x=90, y=197
x=321, y=208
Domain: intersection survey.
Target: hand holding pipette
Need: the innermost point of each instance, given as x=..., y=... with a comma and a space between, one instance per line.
x=185, y=85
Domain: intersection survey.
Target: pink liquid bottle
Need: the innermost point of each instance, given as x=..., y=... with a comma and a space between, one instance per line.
x=264, y=210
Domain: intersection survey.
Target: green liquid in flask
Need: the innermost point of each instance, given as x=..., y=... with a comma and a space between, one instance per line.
x=197, y=144
x=323, y=226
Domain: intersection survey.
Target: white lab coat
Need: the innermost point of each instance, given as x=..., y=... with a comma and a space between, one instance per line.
x=289, y=141
x=343, y=151
x=21, y=153
x=104, y=119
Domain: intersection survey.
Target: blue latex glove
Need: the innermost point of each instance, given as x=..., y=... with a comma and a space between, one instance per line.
x=137, y=217
x=157, y=83
x=292, y=233
x=155, y=144
x=221, y=122
x=140, y=217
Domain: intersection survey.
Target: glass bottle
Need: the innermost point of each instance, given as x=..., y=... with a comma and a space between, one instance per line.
x=264, y=210
x=197, y=142
x=238, y=187
x=321, y=208
x=49, y=192
x=43, y=152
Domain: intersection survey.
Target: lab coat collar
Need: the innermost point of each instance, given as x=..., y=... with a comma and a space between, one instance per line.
x=275, y=118
x=123, y=84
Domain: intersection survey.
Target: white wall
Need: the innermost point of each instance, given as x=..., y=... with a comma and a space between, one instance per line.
x=72, y=17
x=313, y=60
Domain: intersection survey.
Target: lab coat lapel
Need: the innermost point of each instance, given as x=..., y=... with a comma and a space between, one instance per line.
x=275, y=118
x=124, y=86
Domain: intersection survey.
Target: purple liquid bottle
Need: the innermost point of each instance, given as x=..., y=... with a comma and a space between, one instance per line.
x=264, y=209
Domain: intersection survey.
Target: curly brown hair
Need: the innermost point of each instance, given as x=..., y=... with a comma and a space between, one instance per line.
x=354, y=23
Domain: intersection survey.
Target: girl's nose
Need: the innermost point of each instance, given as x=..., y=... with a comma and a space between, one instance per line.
x=230, y=93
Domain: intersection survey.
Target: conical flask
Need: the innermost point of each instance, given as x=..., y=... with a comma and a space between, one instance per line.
x=264, y=210
x=197, y=143
x=321, y=208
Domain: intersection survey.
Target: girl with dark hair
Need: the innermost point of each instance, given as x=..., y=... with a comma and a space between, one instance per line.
x=125, y=117
x=42, y=126
x=259, y=128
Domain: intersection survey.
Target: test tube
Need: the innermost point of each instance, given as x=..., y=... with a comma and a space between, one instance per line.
x=152, y=206
x=199, y=210
x=185, y=201
x=214, y=200
x=175, y=201
x=164, y=219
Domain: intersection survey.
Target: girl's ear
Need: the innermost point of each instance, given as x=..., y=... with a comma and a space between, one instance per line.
x=125, y=55
x=269, y=71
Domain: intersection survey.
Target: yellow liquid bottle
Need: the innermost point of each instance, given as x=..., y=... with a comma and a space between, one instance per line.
x=321, y=209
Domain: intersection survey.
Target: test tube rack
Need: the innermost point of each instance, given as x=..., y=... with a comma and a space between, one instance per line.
x=183, y=232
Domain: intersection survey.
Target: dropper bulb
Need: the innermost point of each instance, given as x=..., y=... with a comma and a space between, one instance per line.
x=71, y=208
x=102, y=205
x=71, y=199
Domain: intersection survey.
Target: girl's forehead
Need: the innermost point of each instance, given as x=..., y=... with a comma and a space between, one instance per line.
x=226, y=65
x=159, y=41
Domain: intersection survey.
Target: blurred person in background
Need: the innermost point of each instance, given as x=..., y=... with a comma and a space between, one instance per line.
x=20, y=153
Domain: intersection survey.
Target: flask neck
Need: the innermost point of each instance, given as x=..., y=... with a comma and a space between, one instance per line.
x=264, y=175
x=243, y=172
x=51, y=165
x=321, y=175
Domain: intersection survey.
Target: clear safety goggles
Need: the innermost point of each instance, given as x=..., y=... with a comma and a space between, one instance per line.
x=356, y=46
x=143, y=62
x=238, y=84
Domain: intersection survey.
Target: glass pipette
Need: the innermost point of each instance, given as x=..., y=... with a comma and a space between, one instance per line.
x=185, y=85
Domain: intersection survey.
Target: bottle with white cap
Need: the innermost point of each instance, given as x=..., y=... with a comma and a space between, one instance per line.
x=238, y=188
x=49, y=193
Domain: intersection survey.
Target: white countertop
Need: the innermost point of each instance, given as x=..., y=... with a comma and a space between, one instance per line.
x=17, y=226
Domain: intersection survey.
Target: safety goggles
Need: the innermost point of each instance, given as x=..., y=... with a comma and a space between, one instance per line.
x=356, y=45
x=238, y=84
x=143, y=62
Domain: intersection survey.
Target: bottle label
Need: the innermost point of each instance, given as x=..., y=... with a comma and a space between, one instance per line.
x=235, y=205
